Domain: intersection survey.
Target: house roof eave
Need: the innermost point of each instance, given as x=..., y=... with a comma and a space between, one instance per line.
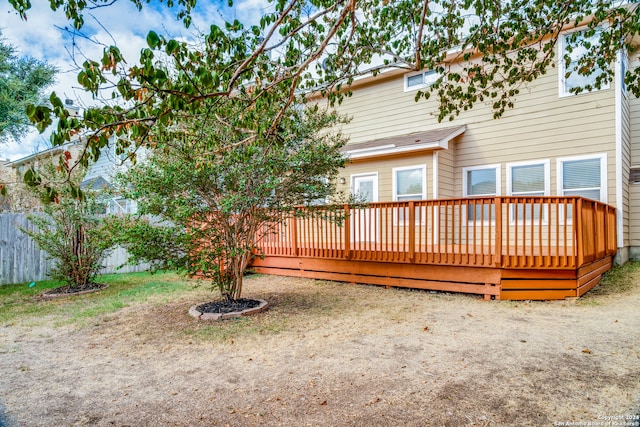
x=435, y=139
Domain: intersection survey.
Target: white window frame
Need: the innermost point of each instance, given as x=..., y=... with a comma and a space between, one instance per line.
x=420, y=217
x=546, y=163
x=394, y=180
x=429, y=77
x=562, y=92
x=465, y=184
x=603, y=172
x=353, y=178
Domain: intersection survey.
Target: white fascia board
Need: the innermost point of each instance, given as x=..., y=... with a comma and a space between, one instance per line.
x=392, y=149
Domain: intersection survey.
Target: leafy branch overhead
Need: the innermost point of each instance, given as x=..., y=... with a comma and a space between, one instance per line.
x=483, y=52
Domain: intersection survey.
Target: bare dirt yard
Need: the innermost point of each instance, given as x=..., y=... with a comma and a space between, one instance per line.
x=329, y=354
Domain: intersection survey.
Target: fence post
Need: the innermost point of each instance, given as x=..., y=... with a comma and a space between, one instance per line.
x=347, y=232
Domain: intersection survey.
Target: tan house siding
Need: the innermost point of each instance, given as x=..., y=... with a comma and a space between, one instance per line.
x=634, y=188
x=542, y=126
x=384, y=168
x=446, y=171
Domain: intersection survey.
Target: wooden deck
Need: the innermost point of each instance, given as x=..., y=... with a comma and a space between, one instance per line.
x=500, y=247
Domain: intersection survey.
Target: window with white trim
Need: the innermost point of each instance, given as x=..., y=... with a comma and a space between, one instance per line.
x=409, y=183
x=584, y=176
x=528, y=179
x=575, y=44
x=481, y=181
x=420, y=80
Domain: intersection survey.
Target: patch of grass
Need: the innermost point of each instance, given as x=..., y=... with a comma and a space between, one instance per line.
x=228, y=330
x=21, y=302
x=620, y=279
x=301, y=309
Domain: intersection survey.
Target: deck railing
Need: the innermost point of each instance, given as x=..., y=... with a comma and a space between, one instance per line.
x=510, y=232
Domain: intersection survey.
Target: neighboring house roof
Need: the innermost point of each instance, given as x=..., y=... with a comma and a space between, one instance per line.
x=98, y=183
x=431, y=139
x=48, y=153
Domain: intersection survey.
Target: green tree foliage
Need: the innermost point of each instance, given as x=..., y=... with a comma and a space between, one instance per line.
x=22, y=82
x=485, y=52
x=71, y=231
x=214, y=185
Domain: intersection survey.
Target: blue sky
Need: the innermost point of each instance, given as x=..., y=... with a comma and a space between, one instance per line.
x=120, y=24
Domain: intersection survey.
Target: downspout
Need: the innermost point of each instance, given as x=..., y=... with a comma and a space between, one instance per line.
x=618, y=136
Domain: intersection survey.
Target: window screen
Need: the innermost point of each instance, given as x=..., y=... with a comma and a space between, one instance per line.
x=409, y=184
x=527, y=180
x=481, y=182
x=582, y=178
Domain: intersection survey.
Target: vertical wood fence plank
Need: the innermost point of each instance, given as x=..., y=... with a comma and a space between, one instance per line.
x=22, y=262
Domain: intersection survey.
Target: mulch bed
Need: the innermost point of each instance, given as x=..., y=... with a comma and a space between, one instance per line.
x=222, y=310
x=70, y=290
x=223, y=307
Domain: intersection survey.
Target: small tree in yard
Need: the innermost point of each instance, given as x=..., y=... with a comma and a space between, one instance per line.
x=217, y=184
x=73, y=233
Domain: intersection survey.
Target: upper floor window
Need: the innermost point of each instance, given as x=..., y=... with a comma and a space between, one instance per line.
x=573, y=46
x=420, y=80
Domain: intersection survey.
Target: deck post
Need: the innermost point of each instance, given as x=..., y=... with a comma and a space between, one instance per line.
x=412, y=231
x=577, y=224
x=294, y=235
x=347, y=232
x=613, y=236
x=497, y=260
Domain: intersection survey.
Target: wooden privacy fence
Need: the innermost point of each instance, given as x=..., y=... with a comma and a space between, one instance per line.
x=534, y=232
x=21, y=261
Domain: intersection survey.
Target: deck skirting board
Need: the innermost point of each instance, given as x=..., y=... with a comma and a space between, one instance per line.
x=492, y=282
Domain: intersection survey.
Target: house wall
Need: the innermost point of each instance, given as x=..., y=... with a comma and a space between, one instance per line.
x=446, y=172
x=20, y=198
x=634, y=187
x=623, y=128
x=384, y=169
x=541, y=126
x=107, y=165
